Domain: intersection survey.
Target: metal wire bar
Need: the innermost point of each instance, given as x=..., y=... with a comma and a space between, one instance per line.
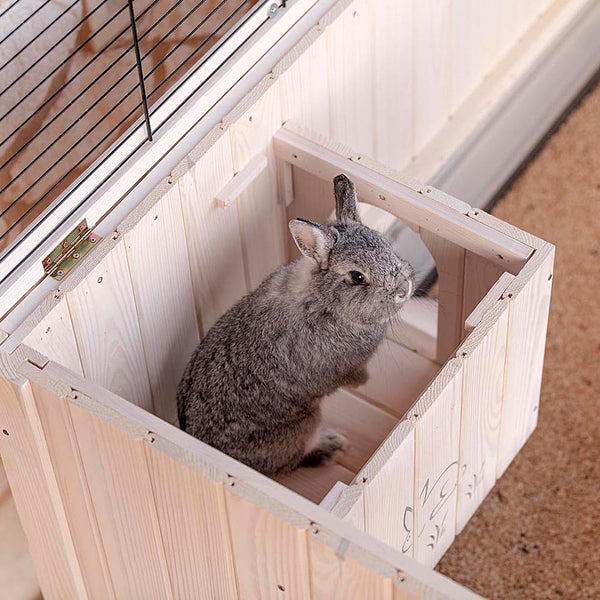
x=37, y=10
x=140, y=71
x=9, y=7
x=198, y=48
x=74, y=146
x=51, y=24
x=3, y=235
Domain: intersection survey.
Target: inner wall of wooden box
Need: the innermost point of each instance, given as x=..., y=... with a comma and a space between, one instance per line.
x=133, y=321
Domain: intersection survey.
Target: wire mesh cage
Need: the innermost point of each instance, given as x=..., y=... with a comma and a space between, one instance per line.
x=74, y=76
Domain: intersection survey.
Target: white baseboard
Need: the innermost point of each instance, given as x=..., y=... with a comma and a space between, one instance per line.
x=503, y=120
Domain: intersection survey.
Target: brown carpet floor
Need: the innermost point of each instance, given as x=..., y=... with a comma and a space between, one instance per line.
x=537, y=535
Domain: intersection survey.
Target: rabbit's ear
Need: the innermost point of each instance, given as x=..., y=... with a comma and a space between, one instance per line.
x=346, y=207
x=313, y=240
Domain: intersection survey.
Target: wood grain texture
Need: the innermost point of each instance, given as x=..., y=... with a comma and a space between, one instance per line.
x=482, y=392
x=54, y=337
x=397, y=377
x=271, y=558
x=338, y=577
x=262, y=216
x=107, y=331
x=350, y=505
x=33, y=498
x=213, y=236
x=362, y=424
x=393, y=80
x=389, y=498
x=193, y=521
x=74, y=494
x=351, y=78
x=437, y=433
x=160, y=275
x=117, y=475
x=450, y=264
x=527, y=325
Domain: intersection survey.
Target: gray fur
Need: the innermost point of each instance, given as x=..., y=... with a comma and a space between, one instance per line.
x=254, y=385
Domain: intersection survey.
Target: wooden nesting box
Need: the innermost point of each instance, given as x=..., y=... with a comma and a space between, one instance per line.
x=117, y=502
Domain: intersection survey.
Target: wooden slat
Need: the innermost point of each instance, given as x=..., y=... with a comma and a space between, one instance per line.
x=488, y=301
x=392, y=36
x=350, y=62
x=527, y=325
x=33, y=498
x=116, y=472
x=350, y=506
x=480, y=275
x=213, y=237
x=376, y=185
x=416, y=327
x=271, y=558
x=74, y=494
x=262, y=216
x=338, y=577
x=54, y=338
x=193, y=521
x=482, y=389
x=160, y=275
x=437, y=433
x=365, y=426
x=106, y=328
x=397, y=377
x=450, y=264
x=389, y=498
x=241, y=181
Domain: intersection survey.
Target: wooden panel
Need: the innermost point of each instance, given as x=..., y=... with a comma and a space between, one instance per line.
x=483, y=384
x=160, y=274
x=123, y=500
x=32, y=497
x=416, y=326
x=338, y=577
x=193, y=519
x=213, y=237
x=389, y=498
x=108, y=336
x=54, y=338
x=489, y=301
x=271, y=559
x=450, y=263
x=350, y=60
x=436, y=471
x=397, y=377
x=527, y=325
x=262, y=215
x=67, y=468
x=392, y=63
x=350, y=506
x=480, y=275
x=431, y=85
x=364, y=425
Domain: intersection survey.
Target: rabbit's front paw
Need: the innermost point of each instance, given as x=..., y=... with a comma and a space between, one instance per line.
x=328, y=445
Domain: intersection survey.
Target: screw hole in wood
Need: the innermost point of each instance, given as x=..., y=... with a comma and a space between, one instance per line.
x=5, y=432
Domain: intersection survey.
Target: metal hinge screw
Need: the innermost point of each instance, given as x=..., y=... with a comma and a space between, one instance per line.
x=273, y=9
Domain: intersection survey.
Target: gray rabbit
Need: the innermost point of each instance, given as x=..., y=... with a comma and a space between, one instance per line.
x=254, y=385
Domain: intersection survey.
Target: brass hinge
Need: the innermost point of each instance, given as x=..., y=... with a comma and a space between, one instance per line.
x=70, y=251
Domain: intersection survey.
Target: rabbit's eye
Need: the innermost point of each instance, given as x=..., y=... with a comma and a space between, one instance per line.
x=357, y=278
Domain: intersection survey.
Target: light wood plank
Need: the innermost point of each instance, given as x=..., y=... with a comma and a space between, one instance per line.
x=437, y=433
x=397, y=377
x=351, y=79
x=118, y=478
x=416, y=327
x=338, y=577
x=482, y=390
x=389, y=498
x=365, y=426
x=213, y=237
x=106, y=328
x=262, y=216
x=193, y=521
x=54, y=337
x=450, y=264
x=527, y=325
x=393, y=81
x=350, y=506
x=241, y=181
x=488, y=301
x=33, y=499
x=271, y=558
x=160, y=275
